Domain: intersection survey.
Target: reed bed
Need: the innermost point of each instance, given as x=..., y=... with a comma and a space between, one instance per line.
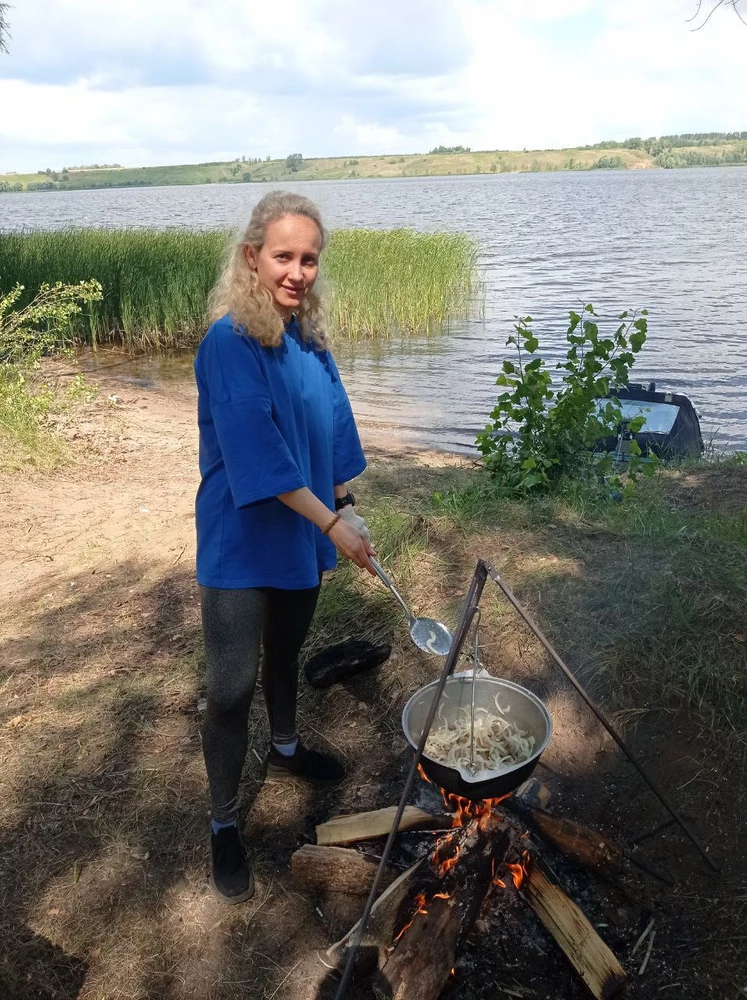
x=398, y=281
x=156, y=283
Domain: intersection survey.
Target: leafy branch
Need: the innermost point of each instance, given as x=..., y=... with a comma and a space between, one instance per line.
x=41, y=326
x=540, y=433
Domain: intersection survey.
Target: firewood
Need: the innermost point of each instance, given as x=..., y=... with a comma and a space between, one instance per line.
x=336, y=869
x=585, y=950
x=580, y=843
x=368, y=825
x=380, y=928
x=424, y=955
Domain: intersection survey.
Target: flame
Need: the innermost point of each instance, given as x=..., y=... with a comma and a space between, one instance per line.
x=467, y=809
x=420, y=907
x=445, y=866
x=517, y=874
x=422, y=774
x=441, y=895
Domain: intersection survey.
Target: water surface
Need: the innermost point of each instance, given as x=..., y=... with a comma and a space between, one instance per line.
x=673, y=241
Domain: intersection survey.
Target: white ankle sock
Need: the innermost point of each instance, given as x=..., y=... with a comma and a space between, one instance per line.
x=286, y=749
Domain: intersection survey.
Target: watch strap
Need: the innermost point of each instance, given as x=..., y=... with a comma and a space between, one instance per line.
x=347, y=501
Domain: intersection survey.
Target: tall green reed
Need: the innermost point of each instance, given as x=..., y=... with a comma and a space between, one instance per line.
x=156, y=283
x=384, y=282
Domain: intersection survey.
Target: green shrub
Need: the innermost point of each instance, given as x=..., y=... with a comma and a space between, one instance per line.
x=26, y=335
x=540, y=434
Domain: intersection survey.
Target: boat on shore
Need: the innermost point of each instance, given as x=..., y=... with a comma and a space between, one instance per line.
x=670, y=430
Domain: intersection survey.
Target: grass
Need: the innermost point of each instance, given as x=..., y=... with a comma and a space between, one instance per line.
x=156, y=283
x=29, y=407
x=651, y=593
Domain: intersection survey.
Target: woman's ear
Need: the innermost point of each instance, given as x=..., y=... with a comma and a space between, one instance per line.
x=251, y=256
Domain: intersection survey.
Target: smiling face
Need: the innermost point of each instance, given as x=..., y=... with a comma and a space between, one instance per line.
x=287, y=264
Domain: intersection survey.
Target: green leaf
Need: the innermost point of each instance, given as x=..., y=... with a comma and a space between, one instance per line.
x=533, y=479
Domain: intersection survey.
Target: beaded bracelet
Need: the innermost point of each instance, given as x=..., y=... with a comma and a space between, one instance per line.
x=332, y=523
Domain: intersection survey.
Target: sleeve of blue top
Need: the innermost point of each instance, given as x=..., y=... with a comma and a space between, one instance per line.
x=258, y=462
x=348, y=459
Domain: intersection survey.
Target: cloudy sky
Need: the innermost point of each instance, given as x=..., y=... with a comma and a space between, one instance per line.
x=178, y=81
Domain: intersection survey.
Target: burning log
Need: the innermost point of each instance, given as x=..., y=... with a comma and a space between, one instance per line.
x=425, y=950
x=585, y=950
x=368, y=825
x=580, y=843
x=380, y=929
x=336, y=869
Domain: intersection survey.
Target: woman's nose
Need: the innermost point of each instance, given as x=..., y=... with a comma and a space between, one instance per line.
x=296, y=273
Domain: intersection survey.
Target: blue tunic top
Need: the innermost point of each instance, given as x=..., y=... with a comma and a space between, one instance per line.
x=271, y=420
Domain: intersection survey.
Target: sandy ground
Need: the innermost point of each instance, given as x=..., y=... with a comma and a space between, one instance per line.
x=104, y=816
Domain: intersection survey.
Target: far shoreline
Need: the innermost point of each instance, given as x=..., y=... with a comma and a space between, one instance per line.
x=665, y=153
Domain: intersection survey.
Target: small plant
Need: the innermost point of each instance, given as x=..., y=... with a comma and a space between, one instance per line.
x=26, y=335
x=541, y=432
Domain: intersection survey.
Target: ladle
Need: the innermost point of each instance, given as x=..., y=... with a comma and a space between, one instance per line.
x=427, y=634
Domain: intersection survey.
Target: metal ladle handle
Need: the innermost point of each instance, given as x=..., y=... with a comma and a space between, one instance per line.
x=385, y=579
x=475, y=664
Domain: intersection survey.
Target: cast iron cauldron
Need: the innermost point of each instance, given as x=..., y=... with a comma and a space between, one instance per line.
x=526, y=711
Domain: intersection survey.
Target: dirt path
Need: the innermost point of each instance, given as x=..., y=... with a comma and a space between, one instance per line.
x=103, y=858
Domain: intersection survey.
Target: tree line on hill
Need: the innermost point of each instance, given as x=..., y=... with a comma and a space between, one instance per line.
x=657, y=144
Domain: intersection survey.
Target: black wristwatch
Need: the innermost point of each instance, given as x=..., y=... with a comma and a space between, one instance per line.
x=347, y=501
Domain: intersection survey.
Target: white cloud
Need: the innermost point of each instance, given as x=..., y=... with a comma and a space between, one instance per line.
x=370, y=136
x=188, y=80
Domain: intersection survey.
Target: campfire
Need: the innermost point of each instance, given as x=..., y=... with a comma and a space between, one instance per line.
x=479, y=852
x=406, y=944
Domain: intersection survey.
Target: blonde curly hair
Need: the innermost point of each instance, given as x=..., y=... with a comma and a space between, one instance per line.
x=238, y=291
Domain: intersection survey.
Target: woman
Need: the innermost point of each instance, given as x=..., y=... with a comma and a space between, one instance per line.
x=278, y=444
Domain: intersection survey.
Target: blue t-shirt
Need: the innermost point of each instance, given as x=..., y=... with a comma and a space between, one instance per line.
x=271, y=420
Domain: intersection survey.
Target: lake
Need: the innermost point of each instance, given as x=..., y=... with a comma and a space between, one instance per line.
x=672, y=241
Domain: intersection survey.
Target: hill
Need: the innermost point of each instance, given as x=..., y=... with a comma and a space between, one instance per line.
x=704, y=149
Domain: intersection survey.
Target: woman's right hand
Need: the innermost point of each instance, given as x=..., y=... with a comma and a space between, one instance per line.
x=350, y=543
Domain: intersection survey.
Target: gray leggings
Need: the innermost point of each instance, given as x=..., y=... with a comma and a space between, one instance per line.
x=233, y=624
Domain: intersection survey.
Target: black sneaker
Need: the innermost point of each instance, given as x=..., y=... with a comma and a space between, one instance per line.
x=231, y=877
x=308, y=765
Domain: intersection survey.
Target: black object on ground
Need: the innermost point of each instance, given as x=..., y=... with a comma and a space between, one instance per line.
x=671, y=428
x=345, y=660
